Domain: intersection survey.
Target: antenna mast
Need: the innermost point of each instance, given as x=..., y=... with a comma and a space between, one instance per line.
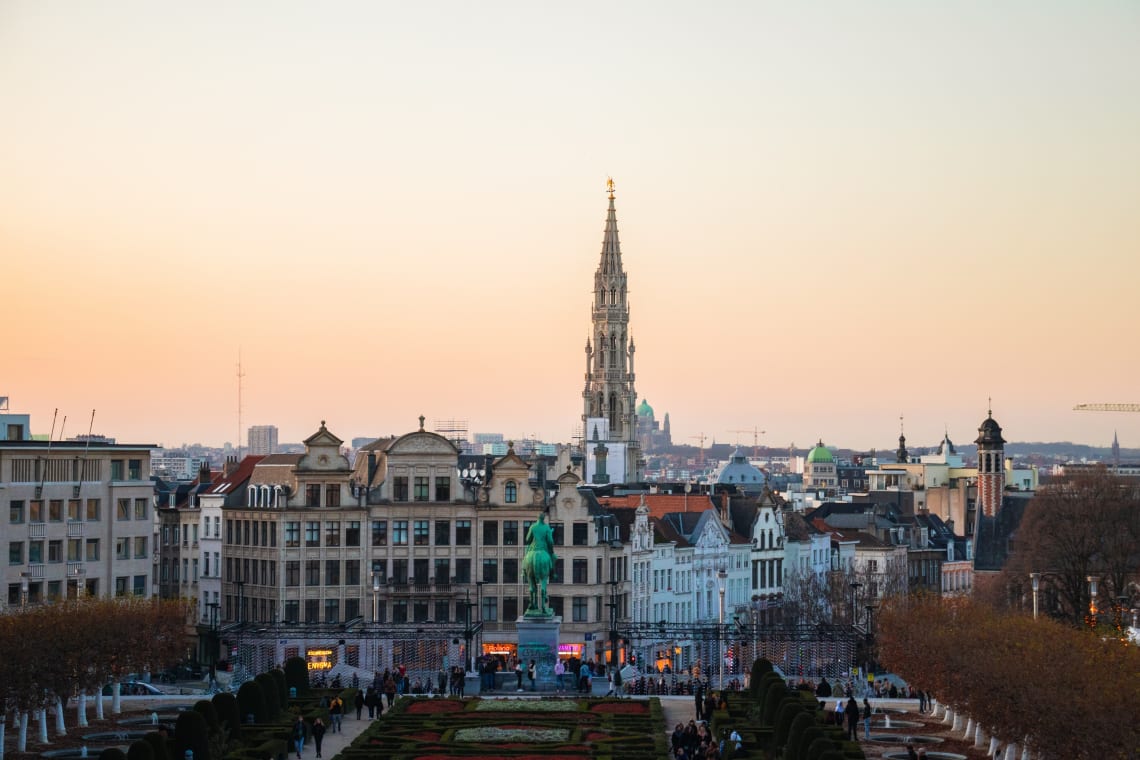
x=240, y=375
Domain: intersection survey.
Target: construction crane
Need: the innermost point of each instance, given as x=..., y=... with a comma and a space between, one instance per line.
x=756, y=433
x=1107, y=408
x=701, y=437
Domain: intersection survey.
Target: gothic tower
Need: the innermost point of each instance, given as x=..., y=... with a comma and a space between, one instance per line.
x=991, y=466
x=609, y=395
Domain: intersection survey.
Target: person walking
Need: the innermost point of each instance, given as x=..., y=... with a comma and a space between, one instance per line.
x=336, y=712
x=358, y=703
x=584, y=678
x=372, y=701
x=518, y=675
x=559, y=674
x=300, y=731
x=866, y=719
x=531, y=673
x=699, y=699
x=390, y=691
x=852, y=713
x=318, y=734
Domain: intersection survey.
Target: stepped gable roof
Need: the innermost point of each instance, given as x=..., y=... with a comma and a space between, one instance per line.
x=993, y=538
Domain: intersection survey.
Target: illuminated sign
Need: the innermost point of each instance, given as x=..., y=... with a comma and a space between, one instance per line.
x=569, y=648
x=320, y=659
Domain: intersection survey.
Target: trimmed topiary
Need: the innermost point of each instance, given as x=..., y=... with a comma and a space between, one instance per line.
x=760, y=666
x=811, y=734
x=818, y=747
x=297, y=675
x=158, y=745
x=768, y=681
x=251, y=701
x=228, y=713
x=800, y=723
x=192, y=733
x=140, y=750
x=282, y=687
x=268, y=695
x=209, y=712
x=783, y=723
x=772, y=701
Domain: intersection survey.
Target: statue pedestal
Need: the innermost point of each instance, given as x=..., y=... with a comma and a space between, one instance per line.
x=538, y=641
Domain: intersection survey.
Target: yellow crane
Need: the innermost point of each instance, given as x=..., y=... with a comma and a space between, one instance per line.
x=1107, y=408
x=756, y=433
x=701, y=437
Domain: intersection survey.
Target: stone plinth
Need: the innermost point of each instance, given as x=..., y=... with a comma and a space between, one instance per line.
x=538, y=641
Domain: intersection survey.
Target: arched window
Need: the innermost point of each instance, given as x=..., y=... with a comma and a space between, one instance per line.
x=511, y=491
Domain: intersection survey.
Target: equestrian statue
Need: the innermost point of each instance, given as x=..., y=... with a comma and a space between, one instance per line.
x=538, y=565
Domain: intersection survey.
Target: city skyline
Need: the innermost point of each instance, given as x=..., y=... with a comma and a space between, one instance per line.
x=830, y=216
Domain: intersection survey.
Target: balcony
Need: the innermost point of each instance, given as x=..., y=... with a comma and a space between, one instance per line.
x=37, y=530
x=36, y=570
x=75, y=569
x=76, y=529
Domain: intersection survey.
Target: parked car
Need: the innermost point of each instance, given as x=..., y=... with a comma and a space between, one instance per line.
x=133, y=689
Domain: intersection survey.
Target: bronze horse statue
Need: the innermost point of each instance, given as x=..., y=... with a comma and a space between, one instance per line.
x=538, y=564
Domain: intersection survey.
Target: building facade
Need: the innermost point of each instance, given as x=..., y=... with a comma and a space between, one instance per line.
x=262, y=440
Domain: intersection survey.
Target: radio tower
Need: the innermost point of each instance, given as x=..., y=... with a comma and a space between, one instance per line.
x=240, y=375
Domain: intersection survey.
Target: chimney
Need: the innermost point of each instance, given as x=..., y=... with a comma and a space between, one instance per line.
x=371, y=466
x=204, y=473
x=230, y=466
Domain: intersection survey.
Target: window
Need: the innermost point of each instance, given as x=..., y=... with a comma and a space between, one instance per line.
x=352, y=610
x=420, y=570
x=332, y=610
x=140, y=509
x=16, y=553
x=442, y=611
x=292, y=611
x=442, y=570
x=491, y=533
x=400, y=488
x=462, y=532
x=442, y=488
x=292, y=535
x=400, y=611
x=139, y=586
x=510, y=607
x=556, y=605
x=117, y=474
x=312, y=533
x=352, y=533
x=421, y=486
x=123, y=510
x=312, y=572
x=92, y=550
x=490, y=570
x=379, y=532
x=332, y=533
x=556, y=575
x=510, y=533
x=312, y=610
x=559, y=533
x=581, y=570
x=122, y=548
x=93, y=510
x=490, y=609
x=332, y=496
x=121, y=585
x=510, y=570
x=442, y=532
x=55, y=551
x=511, y=492
x=462, y=570
x=15, y=512
x=581, y=535
x=351, y=574
x=399, y=533
x=140, y=547
x=134, y=469
x=332, y=572
x=420, y=530
x=74, y=510
x=313, y=495
x=581, y=609
x=400, y=571
x=55, y=510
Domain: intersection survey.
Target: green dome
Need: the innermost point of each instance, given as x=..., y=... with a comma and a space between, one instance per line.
x=644, y=409
x=819, y=454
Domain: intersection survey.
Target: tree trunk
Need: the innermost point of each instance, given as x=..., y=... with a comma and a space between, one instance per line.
x=3, y=730
x=116, y=702
x=979, y=736
x=80, y=710
x=22, y=742
x=60, y=724
x=969, y=733
x=993, y=750
x=41, y=716
x=99, y=704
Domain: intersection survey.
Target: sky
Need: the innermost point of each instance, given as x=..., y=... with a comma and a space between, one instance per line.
x=832, y=215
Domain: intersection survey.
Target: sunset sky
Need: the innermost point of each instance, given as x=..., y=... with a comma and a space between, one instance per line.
x=832, y=214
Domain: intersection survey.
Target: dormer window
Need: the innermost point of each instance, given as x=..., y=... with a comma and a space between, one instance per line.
x=510, y=492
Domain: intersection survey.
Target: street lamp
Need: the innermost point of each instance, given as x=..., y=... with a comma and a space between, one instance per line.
x=375, y=597
x=213, y=609
x=23, y=590
x=855, y=586
x=80, y=581
x=1035, y=579
x=721, y=575
x=240, y=614
x=613, y=623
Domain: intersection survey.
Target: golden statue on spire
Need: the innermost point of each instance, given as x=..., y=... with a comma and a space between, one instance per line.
x=610, y=186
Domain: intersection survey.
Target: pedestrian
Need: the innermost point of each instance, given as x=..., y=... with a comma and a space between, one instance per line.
x=518, y=675
x=358, y=703
x=852, y=713
x=300, y=731
x=371, y=701
x=866, y=719
x=531, y=673
x=390, y=691
x=921, y=701
x=336, y=712
x=441, y=682
x=318, y=734
x=619, y=691
x=699, y=699
x=584, y=678
x=559, y=673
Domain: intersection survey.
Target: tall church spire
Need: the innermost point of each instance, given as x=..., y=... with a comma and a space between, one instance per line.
x=609, y=396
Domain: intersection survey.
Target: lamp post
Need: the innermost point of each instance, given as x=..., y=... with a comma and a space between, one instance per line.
x=467, y=631
x=1035, y=579
x=613, y=623
x=1092, y=601
x=213, y=610
x=870, y=637
x=240, y=614
x=721, y=575
x=375, y=597
x=23, y=590
x=855, y=586
x=80, y=581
